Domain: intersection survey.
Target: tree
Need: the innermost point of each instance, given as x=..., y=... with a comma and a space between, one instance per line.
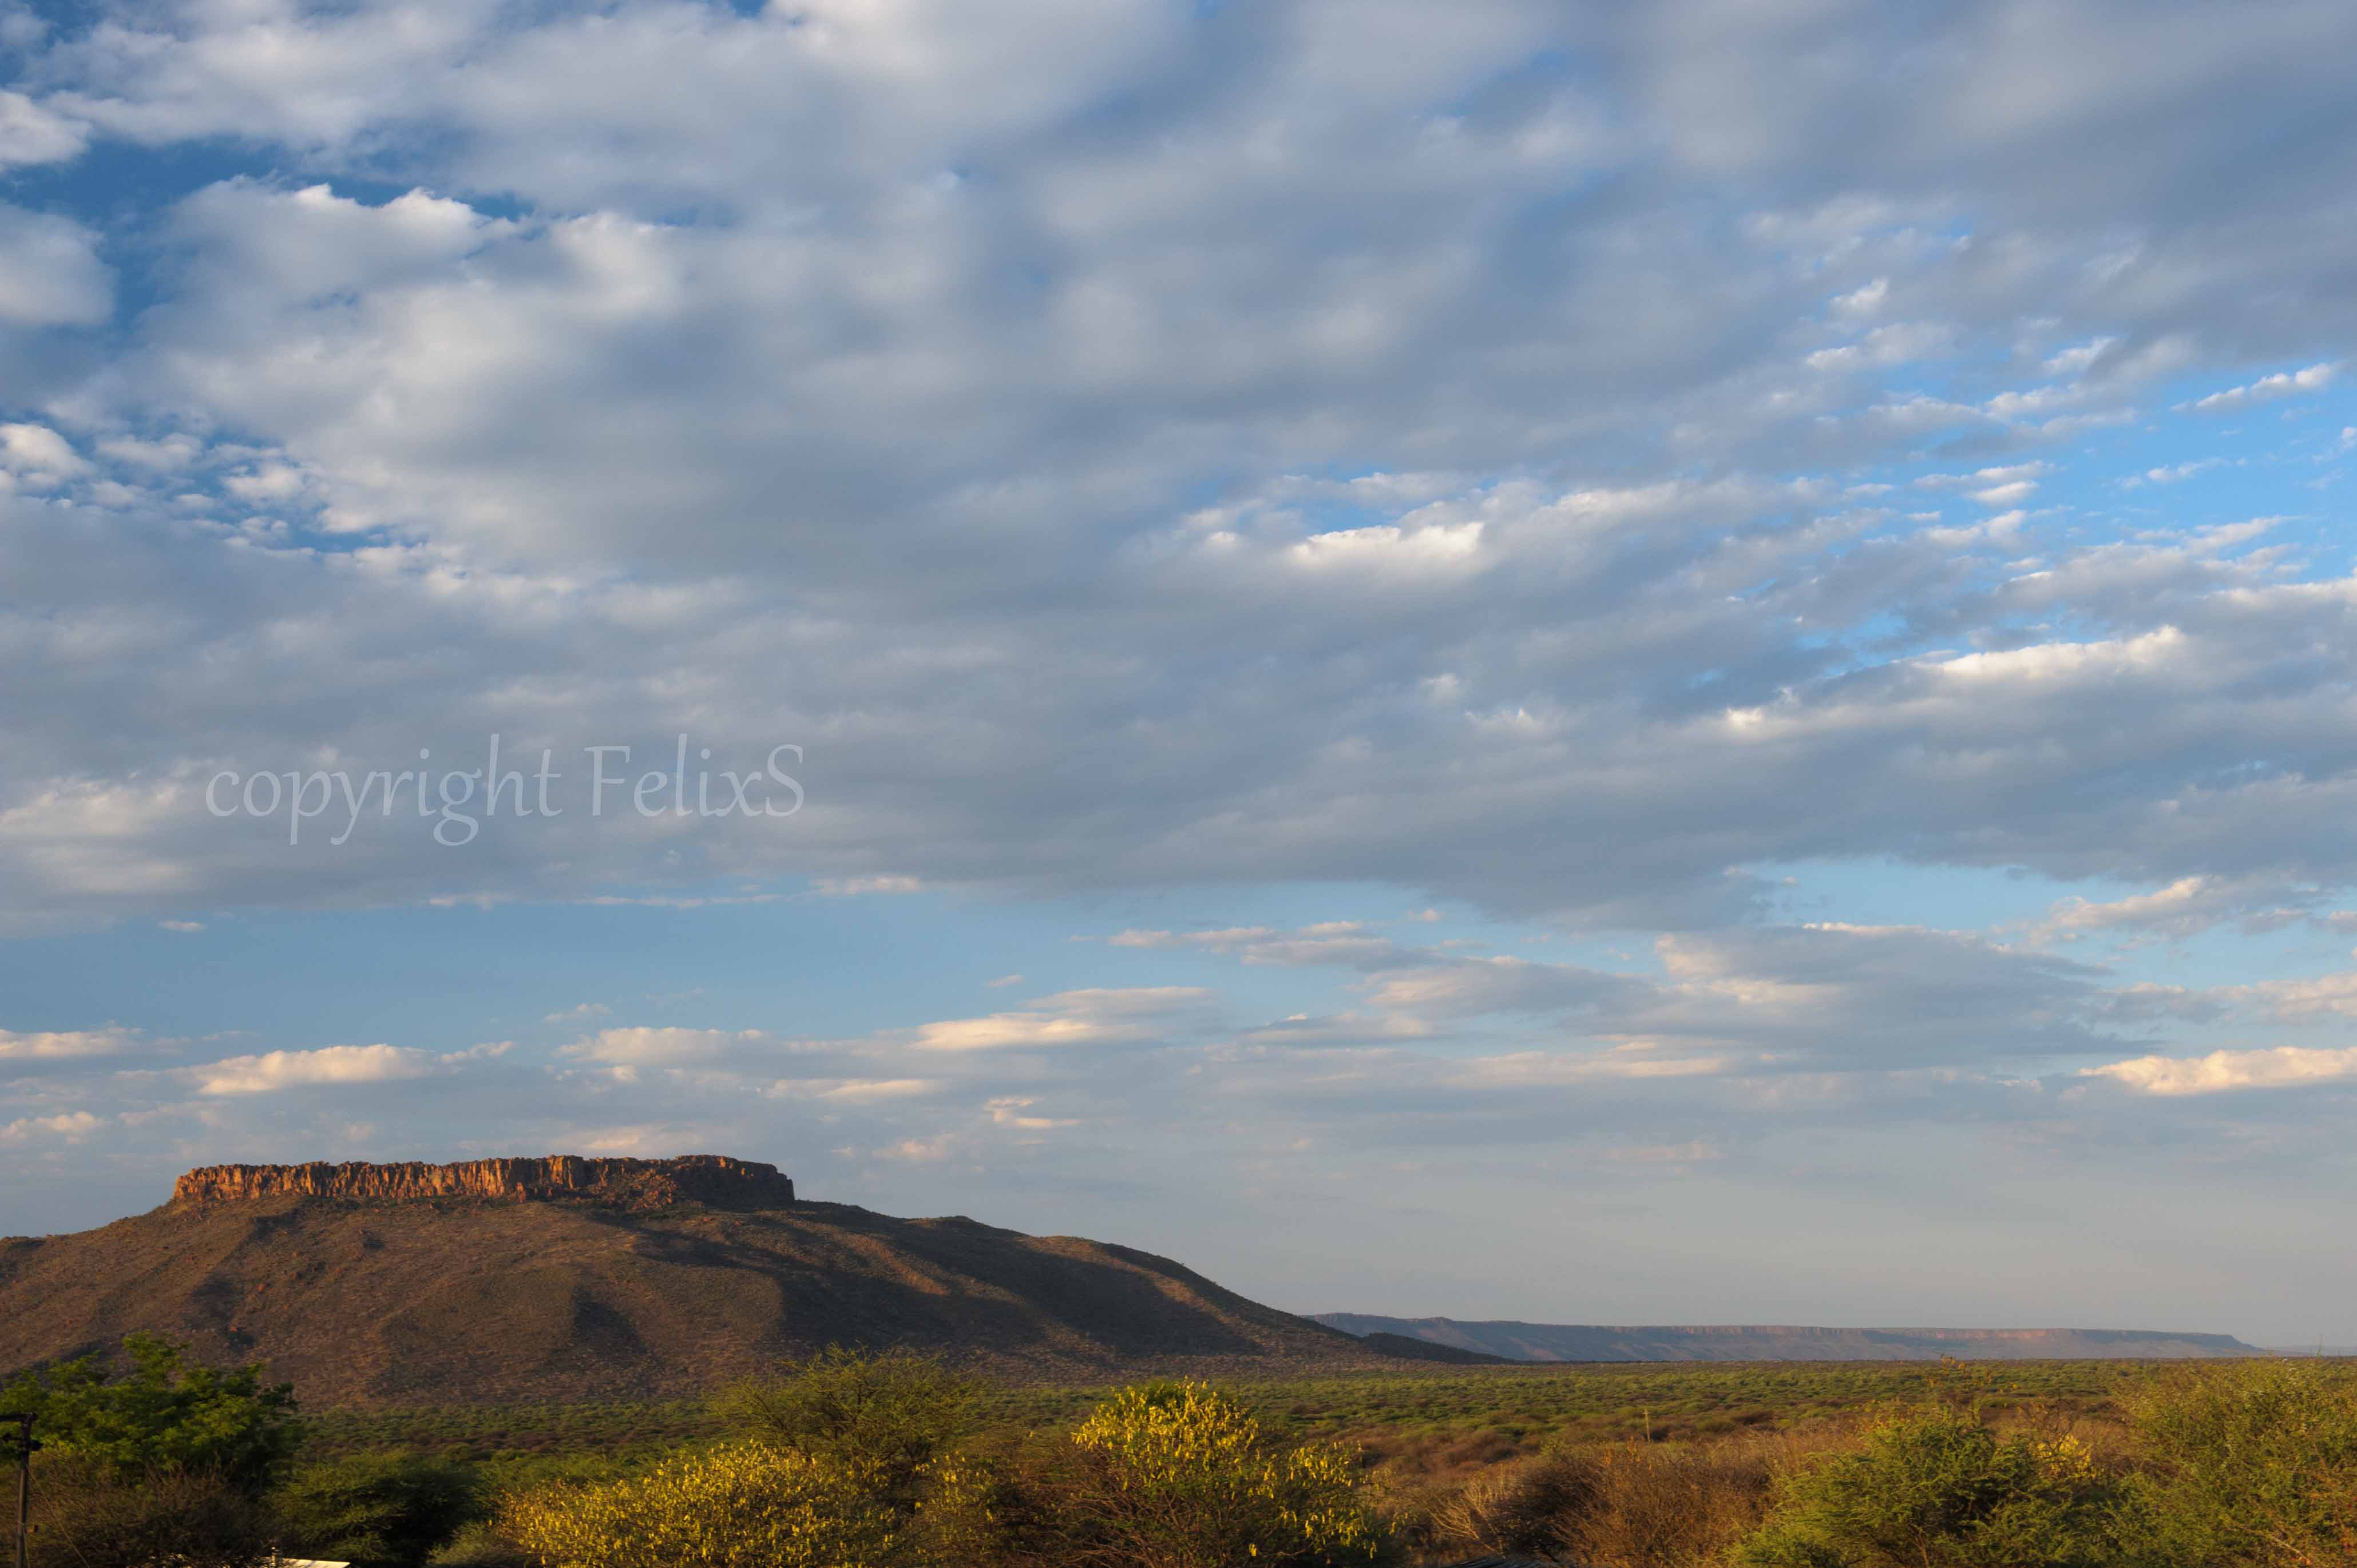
x=164, y=1414
x=384, y=1508
x=1178, y=1475
x=884, y=1419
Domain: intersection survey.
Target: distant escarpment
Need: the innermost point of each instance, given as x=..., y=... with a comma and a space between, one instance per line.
x=615, y=1279
x=712, y=1180
x=1591, y=1342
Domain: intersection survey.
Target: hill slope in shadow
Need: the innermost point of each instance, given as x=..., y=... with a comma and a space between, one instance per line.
x=458, y=1300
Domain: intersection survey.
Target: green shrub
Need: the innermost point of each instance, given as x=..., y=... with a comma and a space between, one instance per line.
x=882, y=1419
x=481, y=1546
x=86, y=1514
x=1178, y=1476
x=164, y=1414
x=1939, y=1490
x=2251, y=1466
x=744, y=1505
x=394, y=1509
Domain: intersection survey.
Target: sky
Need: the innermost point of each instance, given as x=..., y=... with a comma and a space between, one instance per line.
x=1622, y=664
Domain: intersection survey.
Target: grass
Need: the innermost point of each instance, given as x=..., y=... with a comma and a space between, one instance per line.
x=2013, y=1464
x=1415, y=1421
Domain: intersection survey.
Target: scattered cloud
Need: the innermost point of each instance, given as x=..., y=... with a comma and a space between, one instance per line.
x=2266, y=389
x=1084, y=1017
x=2279, y=1067
x=329, y=1065
x=62, y=1045
x=70, y=1126
x=857, y=887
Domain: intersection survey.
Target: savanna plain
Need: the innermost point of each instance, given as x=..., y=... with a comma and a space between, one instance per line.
x=852, y=1458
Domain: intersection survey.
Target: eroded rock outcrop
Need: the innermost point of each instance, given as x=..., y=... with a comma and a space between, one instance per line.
x=714, y=1180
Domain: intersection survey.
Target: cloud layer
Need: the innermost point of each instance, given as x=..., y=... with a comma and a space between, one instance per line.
x=1683, y=481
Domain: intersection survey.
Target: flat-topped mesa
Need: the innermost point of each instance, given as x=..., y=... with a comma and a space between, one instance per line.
x=714, y=1180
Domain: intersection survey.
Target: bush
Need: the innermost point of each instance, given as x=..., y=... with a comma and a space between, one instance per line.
x=1178, y=1475
x=481, y=1546
x=1531, y=1510
x=1939, y=1490
x=2251, y=1466
x=881, y=1418
x=1655, y=1506
x=744, y=1505
x=86, y=1516
x=1659, y=1507
x=394, y=1509
x=164, y=1414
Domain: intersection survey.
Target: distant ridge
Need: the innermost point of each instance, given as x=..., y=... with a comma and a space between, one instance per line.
x=1579, y=1342
x=1407, y=1348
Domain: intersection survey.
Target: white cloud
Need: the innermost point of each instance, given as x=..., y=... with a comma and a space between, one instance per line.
x=71, y=1125
x=1085, y=1018
x=2178, y=473
x=31, y=134
x=2266, y=389
x=646, y=1046
x=1535, y=1069
x=275, y=1071
x=37, y=453
x=856, y=886
x=1015, y=1111
x=489, y=1050
x=51, y=274
x=921, y=1150
x=2280, y=1066
x=62, y=1044
x=2188, y=906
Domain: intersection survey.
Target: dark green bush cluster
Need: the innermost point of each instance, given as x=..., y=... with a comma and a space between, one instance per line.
x=163, y=1412
x=163, y=1459
x=157, y=1458
x=886, y=1418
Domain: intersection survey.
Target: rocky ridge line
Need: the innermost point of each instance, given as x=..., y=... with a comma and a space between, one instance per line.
x=715, y=1180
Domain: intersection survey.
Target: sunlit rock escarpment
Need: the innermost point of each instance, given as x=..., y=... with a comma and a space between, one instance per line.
x=709, y=1179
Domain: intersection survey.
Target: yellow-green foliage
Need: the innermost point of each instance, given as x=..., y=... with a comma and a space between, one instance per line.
x=2251, y=1466
x=1937, y=1489
x=743, y=1505
x=1178, y=1476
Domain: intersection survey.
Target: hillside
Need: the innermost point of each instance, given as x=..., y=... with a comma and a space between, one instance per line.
x=1571, y=1342
x=596, y=1283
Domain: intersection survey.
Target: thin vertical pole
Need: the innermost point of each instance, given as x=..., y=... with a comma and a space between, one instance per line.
x=23, y=1479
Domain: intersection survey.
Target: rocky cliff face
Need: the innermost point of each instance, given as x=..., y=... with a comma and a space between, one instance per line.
x=714, y=1180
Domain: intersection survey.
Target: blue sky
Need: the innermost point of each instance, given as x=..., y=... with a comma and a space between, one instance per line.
x=1670, y=664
